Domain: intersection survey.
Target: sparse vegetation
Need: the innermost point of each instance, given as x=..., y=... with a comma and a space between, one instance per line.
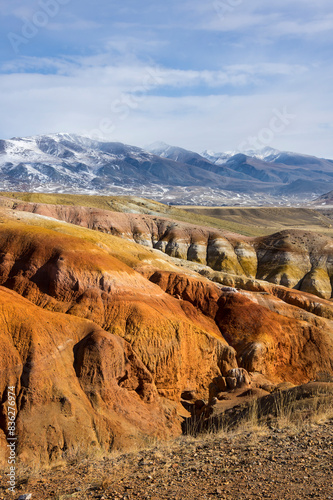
x=247, y=221
x=248, y=461
x=295, y=408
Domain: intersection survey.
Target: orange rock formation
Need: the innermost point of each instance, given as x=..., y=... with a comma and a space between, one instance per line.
x=100, y=354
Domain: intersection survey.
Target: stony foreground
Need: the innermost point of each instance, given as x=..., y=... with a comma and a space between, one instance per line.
x=255, y=463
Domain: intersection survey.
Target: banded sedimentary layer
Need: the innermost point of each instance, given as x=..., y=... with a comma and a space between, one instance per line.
x=295, y=259
x=103, y=352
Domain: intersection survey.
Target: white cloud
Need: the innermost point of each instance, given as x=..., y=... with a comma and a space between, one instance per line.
x=319, y=26
x=129, y=77
x=296, y=18
x=98, y=99
x=216, y=79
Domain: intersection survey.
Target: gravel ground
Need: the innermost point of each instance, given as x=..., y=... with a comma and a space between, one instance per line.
x=262, y=463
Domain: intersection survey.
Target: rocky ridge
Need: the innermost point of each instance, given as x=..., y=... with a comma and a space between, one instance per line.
x=295, y=259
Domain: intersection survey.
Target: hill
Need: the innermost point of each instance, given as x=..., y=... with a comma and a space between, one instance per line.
x=325, y=199
x=113, y=324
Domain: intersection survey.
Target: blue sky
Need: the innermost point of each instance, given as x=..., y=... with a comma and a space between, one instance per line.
x=219, y=75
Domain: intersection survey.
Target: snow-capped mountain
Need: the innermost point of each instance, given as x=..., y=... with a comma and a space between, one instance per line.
x=218, y=158
x=221, y=158
x=270, y=155
x=75, y=164
x=179, y=154
x=282, y=173
x=81, y=163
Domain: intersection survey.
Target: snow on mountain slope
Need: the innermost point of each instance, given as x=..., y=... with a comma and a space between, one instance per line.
x=271, y=155
x=57, y=148
x=74, y=164
x=281, y=173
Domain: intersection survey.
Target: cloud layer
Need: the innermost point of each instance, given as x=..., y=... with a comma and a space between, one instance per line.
x=199, y=75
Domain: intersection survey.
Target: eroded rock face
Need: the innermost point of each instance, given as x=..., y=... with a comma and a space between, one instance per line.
x=126, y=341
x=68, y=275
x=295, y=259
x=76, y=385
x=241, y=376
x=298, y=260
x=318, y=282
x=270, y=336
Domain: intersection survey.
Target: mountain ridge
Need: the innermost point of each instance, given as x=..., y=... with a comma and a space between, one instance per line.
x=76, y=164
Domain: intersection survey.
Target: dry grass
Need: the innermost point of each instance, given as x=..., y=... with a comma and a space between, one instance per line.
x=260, y=221
x=289, y=410
x=295, y=413
x=104, y=474
x=248, y=221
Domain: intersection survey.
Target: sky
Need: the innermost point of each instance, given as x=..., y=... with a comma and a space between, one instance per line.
x=220, y=75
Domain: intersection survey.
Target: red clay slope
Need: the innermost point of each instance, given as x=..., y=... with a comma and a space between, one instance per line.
x=77, y=386
x=67, y=274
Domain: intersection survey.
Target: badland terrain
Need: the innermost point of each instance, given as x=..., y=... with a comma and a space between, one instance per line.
x=126, y=322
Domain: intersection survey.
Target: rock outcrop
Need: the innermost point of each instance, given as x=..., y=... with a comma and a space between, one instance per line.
x=101, y=354
x=270, y=336
x=76, y=385
x=295, y=259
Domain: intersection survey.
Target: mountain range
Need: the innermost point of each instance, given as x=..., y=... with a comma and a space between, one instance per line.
x=69, y=163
